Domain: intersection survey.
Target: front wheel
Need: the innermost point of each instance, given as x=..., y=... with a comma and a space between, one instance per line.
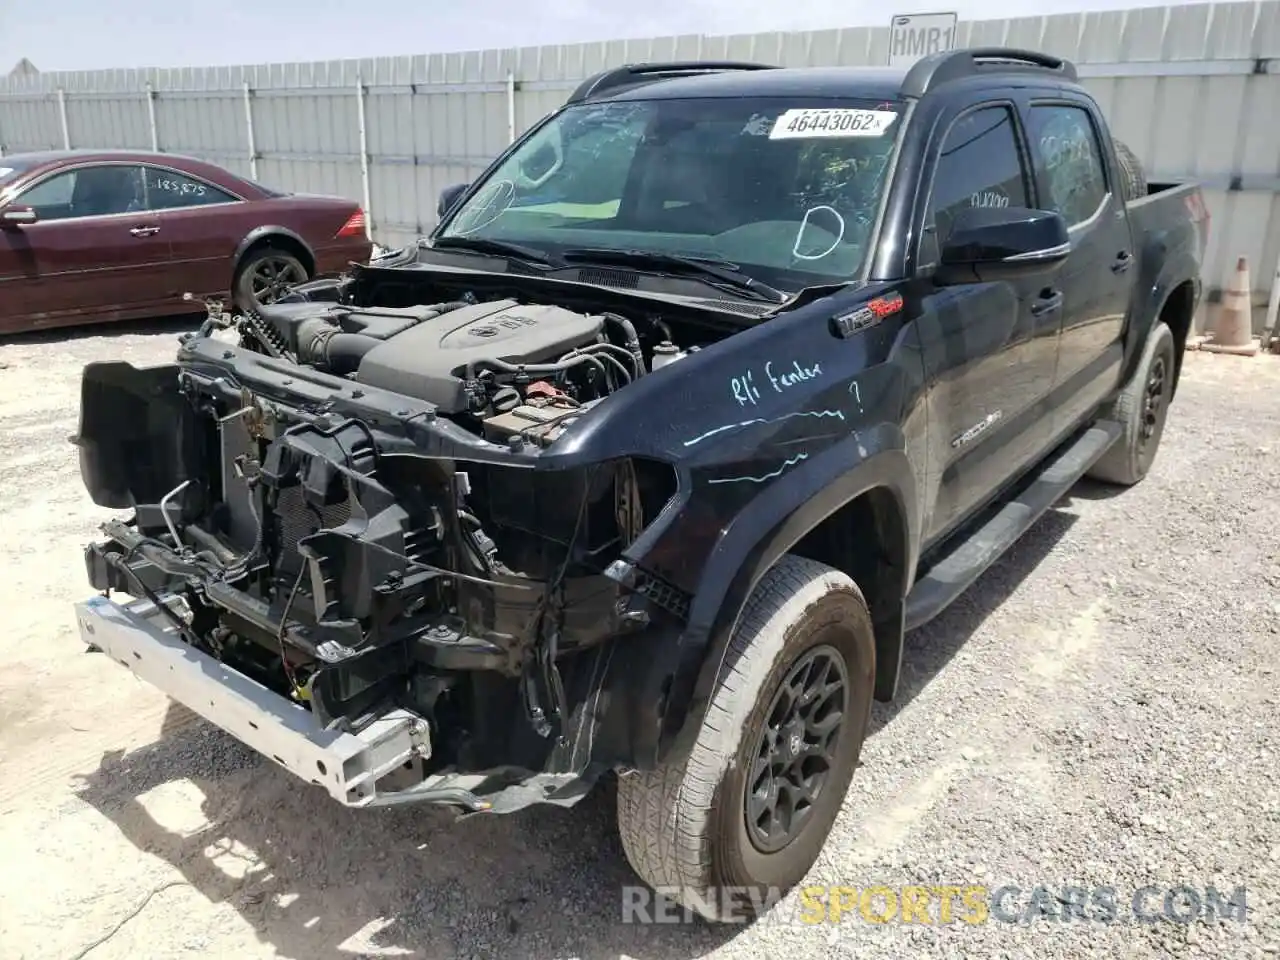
x=740, y=819
x=266, y=275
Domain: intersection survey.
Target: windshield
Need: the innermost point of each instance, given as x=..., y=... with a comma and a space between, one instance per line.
x=9, y=172
x=787, y=190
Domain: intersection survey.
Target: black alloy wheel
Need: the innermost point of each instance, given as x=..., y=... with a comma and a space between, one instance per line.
x=797, y=750
x=1153, y=403
x=271, y=276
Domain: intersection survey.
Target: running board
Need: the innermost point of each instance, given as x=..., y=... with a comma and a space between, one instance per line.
x=953, y=574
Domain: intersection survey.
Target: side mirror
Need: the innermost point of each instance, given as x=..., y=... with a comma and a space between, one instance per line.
x=18, y=216
x=1000, y=243
x=449, y=196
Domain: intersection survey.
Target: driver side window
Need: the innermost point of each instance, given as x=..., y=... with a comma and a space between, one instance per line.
x=87, y=192
x=980, y=165
x=51, y=198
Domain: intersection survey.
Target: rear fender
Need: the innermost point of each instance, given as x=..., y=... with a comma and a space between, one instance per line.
x=774, y=523
x=1174, y=267
x=266, y=232
x=1178, y=271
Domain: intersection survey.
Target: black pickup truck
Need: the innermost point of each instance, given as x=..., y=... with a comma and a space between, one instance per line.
x=715, y=383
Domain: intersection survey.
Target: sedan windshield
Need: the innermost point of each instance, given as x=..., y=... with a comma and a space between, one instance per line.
x=10, y=171
x=785, y=191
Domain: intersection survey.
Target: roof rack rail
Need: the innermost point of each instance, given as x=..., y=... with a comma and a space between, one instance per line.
x=935, y=70
x=635, y=74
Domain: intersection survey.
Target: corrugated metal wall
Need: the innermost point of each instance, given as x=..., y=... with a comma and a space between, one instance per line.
x=1194, y=89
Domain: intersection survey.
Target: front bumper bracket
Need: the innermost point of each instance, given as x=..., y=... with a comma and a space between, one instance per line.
x=348, y=765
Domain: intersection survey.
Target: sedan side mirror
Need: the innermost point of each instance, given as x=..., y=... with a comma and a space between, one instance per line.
x=1001, y=243
x=450, y=196
x=18, y=216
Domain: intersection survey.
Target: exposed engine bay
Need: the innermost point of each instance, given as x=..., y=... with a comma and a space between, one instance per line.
x=503, y=368
x=357, y=560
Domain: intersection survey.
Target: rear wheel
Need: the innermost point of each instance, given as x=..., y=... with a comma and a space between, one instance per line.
x=265, y=275
x=740, y=819
x=1141, y=408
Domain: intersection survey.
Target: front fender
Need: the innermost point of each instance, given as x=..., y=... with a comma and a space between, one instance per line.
x=776, y=520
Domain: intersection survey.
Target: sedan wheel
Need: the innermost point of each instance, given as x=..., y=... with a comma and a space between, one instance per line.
x=266, y=276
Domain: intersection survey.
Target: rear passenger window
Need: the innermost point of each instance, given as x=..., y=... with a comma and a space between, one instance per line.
x=980, y=166
x=167, y=190
x=1067, y=149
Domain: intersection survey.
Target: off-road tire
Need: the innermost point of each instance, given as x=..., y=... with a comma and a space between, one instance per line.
x=242, y=285
x=1133, y=179
x=1129, y=459
x=684, y=826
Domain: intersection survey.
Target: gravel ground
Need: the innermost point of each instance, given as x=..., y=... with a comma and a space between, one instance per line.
x=1099, y=711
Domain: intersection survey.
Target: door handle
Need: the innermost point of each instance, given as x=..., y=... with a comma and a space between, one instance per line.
x=1048, y=302
x=144, y=231
x=1123, y=261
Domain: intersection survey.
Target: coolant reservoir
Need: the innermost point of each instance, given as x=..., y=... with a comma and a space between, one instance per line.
x=664, y=353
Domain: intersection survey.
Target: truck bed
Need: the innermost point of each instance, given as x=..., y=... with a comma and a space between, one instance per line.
x=1166, y=206
x=1171, y=219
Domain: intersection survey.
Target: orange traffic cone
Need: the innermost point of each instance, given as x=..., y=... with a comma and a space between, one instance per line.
x=1233, y=326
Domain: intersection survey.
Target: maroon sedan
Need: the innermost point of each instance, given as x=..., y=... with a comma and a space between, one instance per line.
x=89, y=237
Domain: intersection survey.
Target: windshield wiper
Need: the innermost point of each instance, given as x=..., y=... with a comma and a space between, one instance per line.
x=722, y=273
x=502, y=248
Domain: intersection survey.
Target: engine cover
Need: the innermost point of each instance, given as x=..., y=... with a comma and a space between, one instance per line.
x=377, y=322
x=428, y=361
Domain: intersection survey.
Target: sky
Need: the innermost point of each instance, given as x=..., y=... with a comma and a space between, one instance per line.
x=72, y=34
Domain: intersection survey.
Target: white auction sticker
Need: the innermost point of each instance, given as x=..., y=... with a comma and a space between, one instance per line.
x=832, y=122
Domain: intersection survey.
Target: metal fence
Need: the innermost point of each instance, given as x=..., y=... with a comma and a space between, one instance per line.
x=1194, y=89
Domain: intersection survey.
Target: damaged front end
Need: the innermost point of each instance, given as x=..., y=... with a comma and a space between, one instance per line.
x=388, y=604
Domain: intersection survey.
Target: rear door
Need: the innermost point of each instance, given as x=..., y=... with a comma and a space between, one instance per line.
x=990, y=349
x=94, y=253
x=1097, y=280
x=204, y=224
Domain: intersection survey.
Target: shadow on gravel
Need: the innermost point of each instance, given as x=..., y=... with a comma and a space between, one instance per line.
x=174, y=325
x=318, y=881
x=1094, y=490
x=931, y=647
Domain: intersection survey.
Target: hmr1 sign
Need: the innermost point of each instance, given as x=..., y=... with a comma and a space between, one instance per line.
x=918, y=35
